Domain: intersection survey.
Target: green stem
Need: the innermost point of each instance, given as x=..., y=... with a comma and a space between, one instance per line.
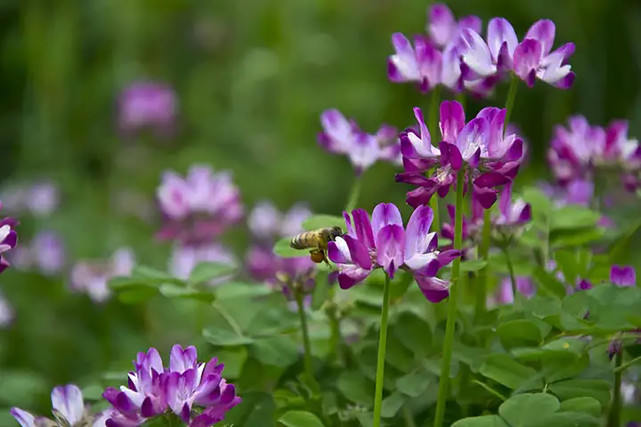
x=303, y=326
x=335, y=347
x=380, y=363
x=615, y=410
x=460, y=97
x=436, y=222
x=509, y=102
x=432, y=116
x=484, y=250
x=408, y=417
x=627, y=364
x=354, y=193
x=451, y=307
x=516, y=298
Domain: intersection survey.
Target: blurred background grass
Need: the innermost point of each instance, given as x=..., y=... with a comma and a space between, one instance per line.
x=252, y=77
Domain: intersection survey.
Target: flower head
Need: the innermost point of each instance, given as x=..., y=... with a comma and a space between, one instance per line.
x=92, y=276
x=435, y=57
x=195, y=392
x=345, y=137
x=45, y=253
x=524, y=286
x=8, y=239
x=580, y=150
x=267, y=225
x=384, y=243
x=67, y=406
x=491, y=159
x=147, y=105
x=530, y=59
x=198, y=207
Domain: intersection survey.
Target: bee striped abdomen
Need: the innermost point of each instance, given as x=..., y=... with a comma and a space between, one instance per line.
x=308, y=239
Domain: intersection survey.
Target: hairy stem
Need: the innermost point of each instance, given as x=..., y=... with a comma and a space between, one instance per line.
x=354, y=194
x=615, y=410
x=307, y=356
x=484, y=250
x=509, y=102
x=443, y=384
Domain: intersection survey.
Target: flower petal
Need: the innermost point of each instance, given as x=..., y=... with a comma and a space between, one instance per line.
x=385, y=214
x=452, y=120
x=499, y=31
x=623, y=275
x=442, y=26
x=24, y=418
x=390, y=248
x=542, y=31
x=403, y=66
x=527, y=56
x=417, y=236
x=68, y=401
x=358, y=252
x=433, y=288
x=363, y=228
x=476, y=54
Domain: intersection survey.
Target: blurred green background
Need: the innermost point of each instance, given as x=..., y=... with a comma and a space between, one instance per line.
x=252, y=77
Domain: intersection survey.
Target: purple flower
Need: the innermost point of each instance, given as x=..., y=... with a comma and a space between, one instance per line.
x=384, y=243
x=45, y=253
x=575, y=192
x=512, y=214
x=578, y=151
x=154, y=389
x=185, y=257
x=530, y=59
x=491, y=158
x=267, y=224
x=67, y=406
x=39, y=199
x=147, y=105
x=198, y=207
x=434, y=59
x=614, y=347
x=7, y=313
x=524, y=286
x=341, y=136
x=8, y=239
x=623, y=275
x=92, y=276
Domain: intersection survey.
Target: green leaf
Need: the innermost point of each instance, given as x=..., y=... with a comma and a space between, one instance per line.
x=355, y=387
x=549, y=285
x=151, y=275
x=567, y=262
x=315, y=222
x=276, y=351
x=94, y=391
x=598, y=389
x=234, y=359
x=507, y=371
x=518, y=333
x=568, y=366
x=283, y=249
x=575, y=237
x=392, y=404
x=413, y=332
x=206, y=271
x=572, y=217
x=415, y=383
x=242, y=290
x=271, y=321
x=299, y=419
x=588, y=405
x=137, y=295
x=473, y=265
x=321, y=290
x=566, y=419
x=257, y=407
x=521, y=409
x=224, y=337
x=483, y=421
x=174, y=291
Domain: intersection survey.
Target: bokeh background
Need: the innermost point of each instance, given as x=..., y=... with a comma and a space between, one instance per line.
x=251, y=78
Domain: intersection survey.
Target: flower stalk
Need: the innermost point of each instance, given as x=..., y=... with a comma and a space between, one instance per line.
x=615, y=410
x=484, y=250
x=451, y=307
x=307, y=355
x=380, y=364
x=509, y=102
x=432, y=124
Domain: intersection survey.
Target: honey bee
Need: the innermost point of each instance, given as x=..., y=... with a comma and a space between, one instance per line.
x=317, y=241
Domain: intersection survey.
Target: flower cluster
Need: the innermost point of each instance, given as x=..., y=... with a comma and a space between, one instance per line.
x=455, y=55
x=195, y=392
x=343, y=136
x=384, y=243
x=491, y=158
x=435, y=57
x=91, y=276
x=147, y=105
x=40, y=198
x=581, y=150
x=530, y=59
x=198, y=207
x=68, y=409
x=44, y=253
x=266, y=225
